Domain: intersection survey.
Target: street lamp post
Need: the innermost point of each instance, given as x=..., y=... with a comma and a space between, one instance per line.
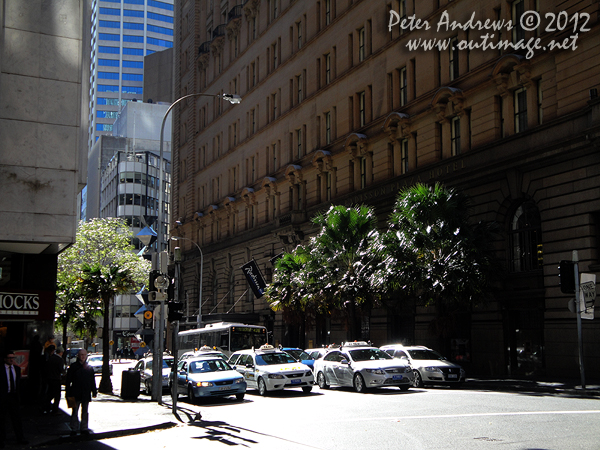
x=199, y=319
x=157, y=358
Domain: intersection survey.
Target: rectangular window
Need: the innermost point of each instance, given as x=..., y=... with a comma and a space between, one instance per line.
x=328, y=184
x=110, y=11
x=159, y=42
x=108, y=62
x=109, y=37
x=404, y=155
x=361, y=44
x=362, y=119
x=539, y=100
x=132, y=38
x=111, y=50
x=132, y=13
x=327, y=128
x=403, y=87
x=109, y=24
x=108, y=75
x=299, y=143
x=455, y=135
x=363, y=173
x=454, y=69
x=161, y=30
x=160, y=17
x=299, y=31
x=132, y=26
x=133, y=51
x=518, y=8
x=520, y=100
x=327, y=12
x=133, y=64
x=299, y=88
x=327, y=68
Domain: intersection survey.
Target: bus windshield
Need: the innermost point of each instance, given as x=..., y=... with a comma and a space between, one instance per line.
x=243, y=338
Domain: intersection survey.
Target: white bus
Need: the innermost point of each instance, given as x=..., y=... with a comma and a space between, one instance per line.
x=225, y=337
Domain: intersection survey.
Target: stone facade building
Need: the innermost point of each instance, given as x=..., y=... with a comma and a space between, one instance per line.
x=44, y=86
x=337, y=109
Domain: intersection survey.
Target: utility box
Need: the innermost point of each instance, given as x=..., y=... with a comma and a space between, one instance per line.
x=130, y=384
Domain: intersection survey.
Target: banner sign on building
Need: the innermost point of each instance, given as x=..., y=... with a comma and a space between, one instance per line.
x=32, y=305
x=587, y=297
x=255, y=278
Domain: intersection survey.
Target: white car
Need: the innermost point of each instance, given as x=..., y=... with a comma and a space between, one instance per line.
x=270, y=369
x=95, y=362
x=203, y=351
x=428, y=365
x=144, y=366
x=358, y=365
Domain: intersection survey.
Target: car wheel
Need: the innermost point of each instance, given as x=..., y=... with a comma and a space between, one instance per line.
x=262, y=387
x=239, y=397
x=322, y=381
x=307, y=389
x=404, y=388
x=191, y=395
x=418, y=380
x=359, y=383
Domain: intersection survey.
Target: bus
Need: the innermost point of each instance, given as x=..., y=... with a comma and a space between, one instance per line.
x=225, y=337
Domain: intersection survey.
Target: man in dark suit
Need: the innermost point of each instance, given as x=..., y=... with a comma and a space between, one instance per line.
x=10, y=383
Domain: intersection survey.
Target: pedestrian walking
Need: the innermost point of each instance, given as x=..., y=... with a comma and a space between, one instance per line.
x=10, y=385
x=53, y=371
x=80, y=388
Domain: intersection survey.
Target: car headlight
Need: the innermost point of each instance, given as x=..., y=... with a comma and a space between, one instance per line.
x=408, y=369
x=308, y=374
x=275, y=375
x=376, y=371
x=204, y=384
x=239, y=380
x=432, y=369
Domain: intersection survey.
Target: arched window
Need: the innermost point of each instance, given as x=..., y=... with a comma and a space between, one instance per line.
x=526, y=239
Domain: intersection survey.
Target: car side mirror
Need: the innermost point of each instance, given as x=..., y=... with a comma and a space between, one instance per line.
x=345, y=362
x=403, y=358
x=250, y=366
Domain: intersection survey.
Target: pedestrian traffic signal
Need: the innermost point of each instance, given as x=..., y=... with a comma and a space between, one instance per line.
x=174, y=311
x=566, y=273
x=148, y=316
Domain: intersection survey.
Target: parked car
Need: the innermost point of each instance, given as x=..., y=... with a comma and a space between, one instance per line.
x=362, y=367
x=95, y=361
x=209, y=376
x=428, y=365
x=270, y=369
x=204, y=351
x=300, y=356
x=317, y=353
x=144, y=366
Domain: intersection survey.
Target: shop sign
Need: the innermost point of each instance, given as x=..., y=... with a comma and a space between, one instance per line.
x=17, y=304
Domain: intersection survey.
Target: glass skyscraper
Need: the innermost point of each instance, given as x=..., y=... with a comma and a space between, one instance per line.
x=123, y=32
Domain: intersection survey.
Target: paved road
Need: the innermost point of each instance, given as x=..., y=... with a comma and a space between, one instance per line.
x=385, y=419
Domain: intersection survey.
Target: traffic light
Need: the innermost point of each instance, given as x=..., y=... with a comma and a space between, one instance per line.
x=148, y=316
x=174, y=311
x=566, y=273
x=154, y=274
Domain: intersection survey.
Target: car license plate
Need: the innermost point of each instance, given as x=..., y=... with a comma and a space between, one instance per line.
x=296, y=381
x=397, y=377
x=224, y=388
x=452, y=375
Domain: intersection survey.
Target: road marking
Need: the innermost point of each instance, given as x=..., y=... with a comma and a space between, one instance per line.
x=453, y=416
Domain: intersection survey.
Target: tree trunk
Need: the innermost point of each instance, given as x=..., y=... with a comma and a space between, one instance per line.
x=105, y=382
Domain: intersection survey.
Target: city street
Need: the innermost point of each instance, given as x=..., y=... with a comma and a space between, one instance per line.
x=433, y=418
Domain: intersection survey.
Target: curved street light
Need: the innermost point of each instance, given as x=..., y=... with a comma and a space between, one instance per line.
x=234, y=99
x=199, y=319
x=158, y=346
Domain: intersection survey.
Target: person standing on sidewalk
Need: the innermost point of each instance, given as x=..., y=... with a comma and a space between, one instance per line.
x=10, y=385
x=53, y=371
x=81, y=387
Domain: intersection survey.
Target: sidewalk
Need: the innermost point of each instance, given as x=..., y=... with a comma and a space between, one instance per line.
x=112, y=416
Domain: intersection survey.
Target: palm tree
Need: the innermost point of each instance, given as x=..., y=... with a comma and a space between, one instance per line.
x=102, y=283
x=333, y=271
x=435, y=254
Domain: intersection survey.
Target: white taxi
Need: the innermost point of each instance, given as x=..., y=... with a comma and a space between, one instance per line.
x=270, y=369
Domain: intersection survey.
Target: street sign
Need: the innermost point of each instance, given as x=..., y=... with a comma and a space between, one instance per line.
x=587, y=286
x=135, y=344
x=111, y=343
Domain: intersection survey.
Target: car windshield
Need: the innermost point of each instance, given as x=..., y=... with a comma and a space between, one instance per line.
x=213, y=365
x=274, y=358
x=167, y=363
x=299, y=354
x=368, y=354
x=425, y=354
x=92, y=359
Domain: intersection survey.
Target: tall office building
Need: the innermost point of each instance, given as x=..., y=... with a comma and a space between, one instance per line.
x=123, y=32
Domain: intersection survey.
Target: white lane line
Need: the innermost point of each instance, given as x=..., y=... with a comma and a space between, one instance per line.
x=453, y=416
